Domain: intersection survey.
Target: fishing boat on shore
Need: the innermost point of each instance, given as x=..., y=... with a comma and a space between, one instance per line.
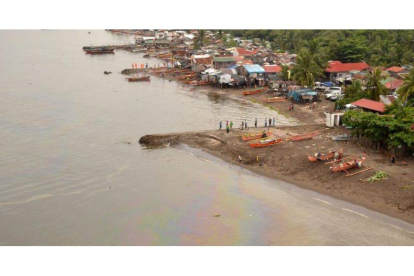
x=323, y=157
x=145, y=78
x=254, y=91
x=198, y=83
x=352, y=163
x=147, y=55
x=254, y=136
x=274, y=100
x=266, y=142
x=301, y=137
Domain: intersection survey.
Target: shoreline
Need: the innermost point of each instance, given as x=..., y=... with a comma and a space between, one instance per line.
x=385, y=196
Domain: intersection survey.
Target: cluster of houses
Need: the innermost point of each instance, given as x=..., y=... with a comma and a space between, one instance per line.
x=250, y=61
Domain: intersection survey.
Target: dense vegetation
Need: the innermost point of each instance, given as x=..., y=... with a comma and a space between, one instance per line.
x=376, y=47
x=390, y=130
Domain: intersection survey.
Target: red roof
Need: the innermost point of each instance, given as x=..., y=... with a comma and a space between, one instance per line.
x=272, y=68
x=244, y=52
x=394, y=84
x=395, y=69
x=337, y=66
x=371, y=105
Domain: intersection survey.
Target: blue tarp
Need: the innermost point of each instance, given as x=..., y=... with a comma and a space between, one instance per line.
x=254, y=68
x=297, y=94
x=327, y=84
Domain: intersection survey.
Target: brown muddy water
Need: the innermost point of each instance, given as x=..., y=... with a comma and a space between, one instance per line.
x=73, y=173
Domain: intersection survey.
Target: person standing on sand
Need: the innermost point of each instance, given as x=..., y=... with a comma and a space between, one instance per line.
x=231, y=124
x=220, y=125
x=270, y=121
x=265, y=122
x=242, y=125
x=255, y=123
x=274, y=121
x=245, y=124
x=227, y=128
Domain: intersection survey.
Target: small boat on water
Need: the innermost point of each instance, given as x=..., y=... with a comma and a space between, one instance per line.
x=254, y=136
x=301, y=137
x=100, y=50
x=145, y=78
x=274, y=100
x=266, y=142
x=254, y=91
x=352, y=163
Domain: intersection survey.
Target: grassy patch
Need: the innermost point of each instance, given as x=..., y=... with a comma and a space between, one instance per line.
x=408, y=187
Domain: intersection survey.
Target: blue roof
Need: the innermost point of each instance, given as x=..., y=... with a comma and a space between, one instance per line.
x=254, y=68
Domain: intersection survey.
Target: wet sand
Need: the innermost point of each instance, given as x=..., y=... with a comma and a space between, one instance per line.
x=288, y=162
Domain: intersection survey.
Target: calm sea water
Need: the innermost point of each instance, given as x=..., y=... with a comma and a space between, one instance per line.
x=68, y=175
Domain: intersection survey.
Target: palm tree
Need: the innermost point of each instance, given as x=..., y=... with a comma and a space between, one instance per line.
x=285, y=73
x=306, y=69
x=200, y=40
x=316, y=52
x=374, y=85
x=290, y=41
x=406, y=91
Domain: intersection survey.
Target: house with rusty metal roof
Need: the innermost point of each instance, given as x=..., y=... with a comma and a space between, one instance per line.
x=201, y=62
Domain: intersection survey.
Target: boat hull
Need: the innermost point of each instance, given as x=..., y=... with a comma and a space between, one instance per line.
x=304, y=136
x=255, y=91
x=322, y=158
x=270, y=143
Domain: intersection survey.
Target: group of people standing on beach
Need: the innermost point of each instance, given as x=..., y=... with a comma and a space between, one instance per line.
x=229, y=125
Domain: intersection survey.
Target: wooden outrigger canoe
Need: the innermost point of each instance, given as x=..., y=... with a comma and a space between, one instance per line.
x=352, y=163
x=254, y=136
x=266, y=142
x=322, y=157
x=254, y=91
x=274, y=100
x=301, y=137
x=146, y=78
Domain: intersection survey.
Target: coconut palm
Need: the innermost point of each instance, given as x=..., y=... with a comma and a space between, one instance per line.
x=290, y=42
x=406, y=91
x=285, y=73
x=201, y=38
x=306, y=69
x=374, y=85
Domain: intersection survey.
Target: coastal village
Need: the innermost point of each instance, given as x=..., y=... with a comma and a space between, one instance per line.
x=329, y=149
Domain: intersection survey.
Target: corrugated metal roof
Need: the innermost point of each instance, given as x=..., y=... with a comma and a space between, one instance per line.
x=223, y=59
x=254, y=68
x=272, y=68
x=337, y=66
x=371, y=105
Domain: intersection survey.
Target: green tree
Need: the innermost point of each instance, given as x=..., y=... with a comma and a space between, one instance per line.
x=406, y=91
x=374, y=85
x=200, y=39
x=352, y=50
x=284, y=74
x=305, y=70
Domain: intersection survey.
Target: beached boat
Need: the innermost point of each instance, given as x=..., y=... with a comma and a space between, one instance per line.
x=254, y=91
x=146, y=78
x=274, y=100
x=352, y=163
x=146, y=55
x=322, y=157
x=254, y=136
x=301, y=137
x=198, y=83
x=266, y=142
